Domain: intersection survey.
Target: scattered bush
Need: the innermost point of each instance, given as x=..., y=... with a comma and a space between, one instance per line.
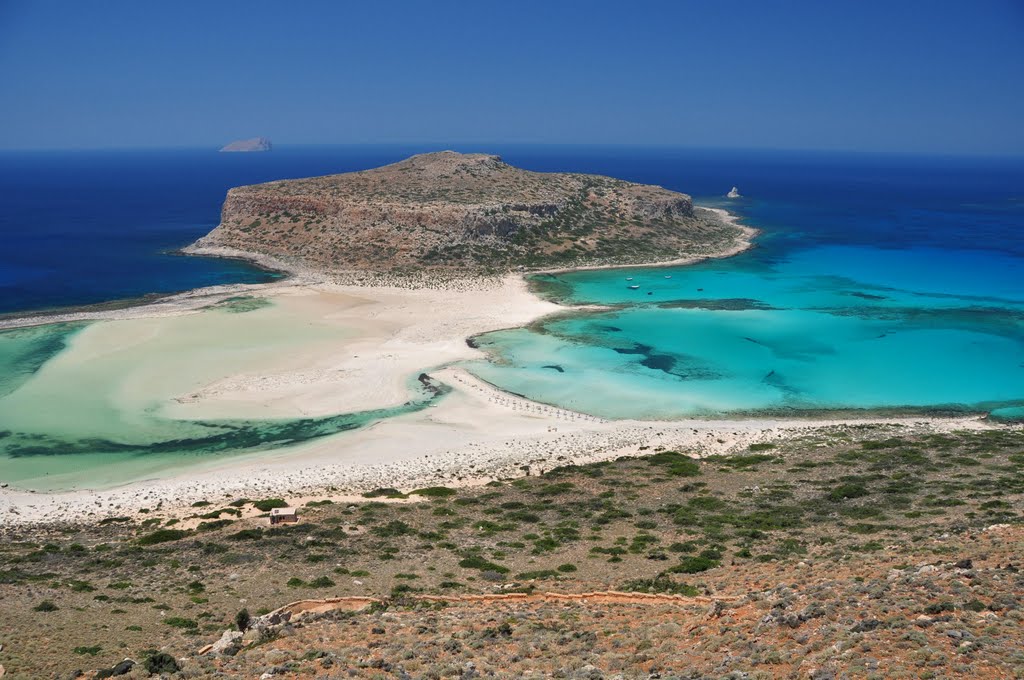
x=268, y=504
x=695, y=564
x=157, y=663
x=847, y=491
x=393, y=528
x=246, y=535
x=162, y=536
x=434, y=492
x=181, y=622
x=385, y=493
x=477, y=562
x=659, y=584
x=676, y=464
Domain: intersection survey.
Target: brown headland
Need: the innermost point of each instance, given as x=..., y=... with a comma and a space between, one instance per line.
x=464, y=214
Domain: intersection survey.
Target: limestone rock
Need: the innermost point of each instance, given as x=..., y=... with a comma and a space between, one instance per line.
x=229, y=644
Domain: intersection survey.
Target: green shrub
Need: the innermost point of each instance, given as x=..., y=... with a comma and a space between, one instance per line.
x=242, y=620
x=247, y=535
x=676, y=464
x=385, y=493
x=162, y=536
x=45, y=606
x=214, y=525
x=434, y=492
x=268, y=504
x=688, y=546
x=659, y=584
x=393, y=528
x=477, y=562
x=181, y=622
x=743, y=462
x=847, y=491
x=555, y=489
x=157, y=663
x=91, y=651
x=940, y=607
x=694, y=564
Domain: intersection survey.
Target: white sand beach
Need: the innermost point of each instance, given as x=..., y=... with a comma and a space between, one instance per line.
x=325, y=348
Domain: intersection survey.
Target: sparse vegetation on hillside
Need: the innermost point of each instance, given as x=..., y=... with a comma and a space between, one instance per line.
x=467, y=213
x=858, y=549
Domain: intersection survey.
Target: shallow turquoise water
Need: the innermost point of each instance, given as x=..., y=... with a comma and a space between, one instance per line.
x=81, y=435
x=879, y=282
x=824, y=328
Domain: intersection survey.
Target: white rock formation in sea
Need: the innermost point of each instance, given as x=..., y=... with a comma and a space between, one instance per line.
x=254, y=144
x=733, y=193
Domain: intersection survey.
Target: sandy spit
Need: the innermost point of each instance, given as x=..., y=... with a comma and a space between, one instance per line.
x=474, y=435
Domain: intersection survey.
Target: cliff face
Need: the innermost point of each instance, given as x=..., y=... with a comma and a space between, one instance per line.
x=467, y=212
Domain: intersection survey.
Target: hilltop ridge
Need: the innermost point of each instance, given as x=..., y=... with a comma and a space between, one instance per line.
x=465, y=213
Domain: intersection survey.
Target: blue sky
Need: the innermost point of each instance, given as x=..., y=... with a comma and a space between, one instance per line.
x=872, y=75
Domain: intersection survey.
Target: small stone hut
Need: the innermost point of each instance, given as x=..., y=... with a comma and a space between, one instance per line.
x=284, y=516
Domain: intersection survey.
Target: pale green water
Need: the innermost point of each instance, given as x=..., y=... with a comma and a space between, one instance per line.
x=81, y=405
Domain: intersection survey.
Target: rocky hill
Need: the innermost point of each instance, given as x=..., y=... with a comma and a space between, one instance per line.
x=470, y=213
x=864, y=551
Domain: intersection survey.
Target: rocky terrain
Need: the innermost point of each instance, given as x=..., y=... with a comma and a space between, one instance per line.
x=843, y=552
x=244, y=145
x=470, y=213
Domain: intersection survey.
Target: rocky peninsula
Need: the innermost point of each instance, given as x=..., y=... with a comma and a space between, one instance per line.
x=468, y=214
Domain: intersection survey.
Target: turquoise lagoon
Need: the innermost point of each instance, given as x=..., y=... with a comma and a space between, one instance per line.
x=828, y=328
x=879, y=282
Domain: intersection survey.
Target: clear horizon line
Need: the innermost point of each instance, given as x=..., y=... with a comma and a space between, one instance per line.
x=445, y=145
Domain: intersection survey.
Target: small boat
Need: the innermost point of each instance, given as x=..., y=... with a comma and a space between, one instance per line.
x=668, y=276
x=629, y=278
x=634, y=287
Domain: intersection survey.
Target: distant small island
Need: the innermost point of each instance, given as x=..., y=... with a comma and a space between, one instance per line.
x=247, y=145
x=468, y=214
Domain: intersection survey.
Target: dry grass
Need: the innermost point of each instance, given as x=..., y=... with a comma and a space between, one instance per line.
x=828, y=542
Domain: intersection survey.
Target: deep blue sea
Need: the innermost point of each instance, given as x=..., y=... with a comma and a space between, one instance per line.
x=878, y=282
x=85, y=227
